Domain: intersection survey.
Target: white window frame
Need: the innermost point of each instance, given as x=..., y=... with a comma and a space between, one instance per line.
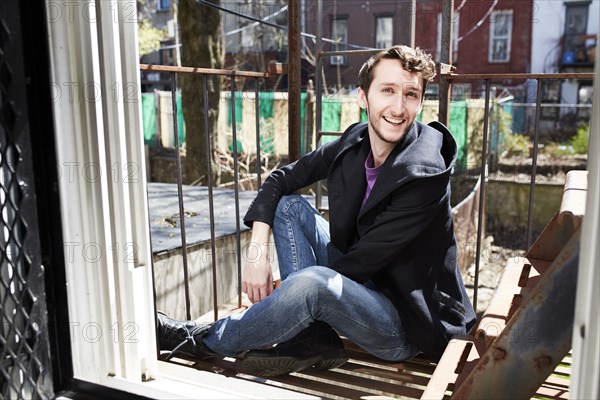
x=339, y=59
x=494, y=37
x=104, y=215
x=378, y=42
x=586, y=325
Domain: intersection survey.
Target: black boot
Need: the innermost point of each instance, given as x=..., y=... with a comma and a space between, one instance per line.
x=318, y=346
x=182, y=337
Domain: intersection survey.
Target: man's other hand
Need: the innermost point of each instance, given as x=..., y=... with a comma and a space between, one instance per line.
x=257, y=280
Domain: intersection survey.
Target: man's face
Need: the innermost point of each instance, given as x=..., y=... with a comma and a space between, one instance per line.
x=393, y=102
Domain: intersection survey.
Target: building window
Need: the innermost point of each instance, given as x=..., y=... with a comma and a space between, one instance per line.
x=248, y=38
x=551, y=91
x=438, y=49
x=339, y=33
x=500, y=36
x=585, y=93
x=163, y=5
x=384, y=32
x=575, y=49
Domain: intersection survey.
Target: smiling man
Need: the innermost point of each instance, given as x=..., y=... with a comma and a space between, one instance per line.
x=382, y=271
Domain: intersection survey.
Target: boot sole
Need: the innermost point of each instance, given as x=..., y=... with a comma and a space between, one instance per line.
x=276, y=366
x=331, y=359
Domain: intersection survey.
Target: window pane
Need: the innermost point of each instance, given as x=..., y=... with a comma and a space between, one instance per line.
x=499, y=50
x=500, y=36
x=576, y=19
x=501, y=25
x=339, y=33
x=164, y=4
x=384, y=32
x=339, y=30
x=585, y=94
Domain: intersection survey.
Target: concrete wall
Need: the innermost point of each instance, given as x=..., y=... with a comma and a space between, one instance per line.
x=168, y=275
x=169, y=278
x=507, y=205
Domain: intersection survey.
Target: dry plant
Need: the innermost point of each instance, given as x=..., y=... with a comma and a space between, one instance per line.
x=247, y=179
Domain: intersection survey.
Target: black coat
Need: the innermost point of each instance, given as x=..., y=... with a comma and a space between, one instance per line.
x=403, y=238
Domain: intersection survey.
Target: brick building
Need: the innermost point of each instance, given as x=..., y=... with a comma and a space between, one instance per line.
x=490, y=36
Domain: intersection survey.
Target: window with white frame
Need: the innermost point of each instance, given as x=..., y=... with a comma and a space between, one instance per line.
x=438, y=49
x=339, y=33
x=163, y=5
x=501, y=22
x=575, y=49
x=384, y=32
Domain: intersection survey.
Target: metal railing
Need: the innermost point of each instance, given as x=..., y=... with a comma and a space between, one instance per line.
x=233, y=75
x=484, y=166
x=488, y=78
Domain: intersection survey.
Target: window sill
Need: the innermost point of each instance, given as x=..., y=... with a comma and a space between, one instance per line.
x=181, y=382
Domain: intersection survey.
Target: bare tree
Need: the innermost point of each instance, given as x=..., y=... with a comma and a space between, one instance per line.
x=202, y=46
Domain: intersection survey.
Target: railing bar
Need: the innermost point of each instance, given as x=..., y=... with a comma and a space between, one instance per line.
x=536, y=131
x=346, y=52
x=483, y=175
x=204, y=71
x=319, y=91
x=211, y=207
x=321, y=134
x=258, y=155
x=236, y=192
x=551, y=105
x=566, y=75
x=186, y=282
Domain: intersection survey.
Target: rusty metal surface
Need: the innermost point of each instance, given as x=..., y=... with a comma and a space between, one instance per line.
x=446, y=58
x=483, y=179
x=536, y=138
x=180, y=198
x=204, y=71
x=294, y=80
x=563, y=75
x=236, y=190
x=363, y=376
x=562, y=226
x=211, y=205
x=535, y=340
x=457, y=354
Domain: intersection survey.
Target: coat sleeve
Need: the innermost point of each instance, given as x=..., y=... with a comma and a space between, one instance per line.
x=410, y=211
x=309, y=169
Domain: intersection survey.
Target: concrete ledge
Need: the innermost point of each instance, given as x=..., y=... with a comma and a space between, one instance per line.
x=165, y=233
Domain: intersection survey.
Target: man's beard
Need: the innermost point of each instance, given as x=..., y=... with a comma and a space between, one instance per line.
x=380, y=136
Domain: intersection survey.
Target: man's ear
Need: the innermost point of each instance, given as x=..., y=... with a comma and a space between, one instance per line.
x=362, y=99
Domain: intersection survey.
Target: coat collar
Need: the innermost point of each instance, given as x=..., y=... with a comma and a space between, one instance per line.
x=425, y=151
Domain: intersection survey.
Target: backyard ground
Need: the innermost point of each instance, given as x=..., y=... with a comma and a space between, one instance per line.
x=508, y=242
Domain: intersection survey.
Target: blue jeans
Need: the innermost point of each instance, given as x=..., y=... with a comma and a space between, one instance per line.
x=310, y=291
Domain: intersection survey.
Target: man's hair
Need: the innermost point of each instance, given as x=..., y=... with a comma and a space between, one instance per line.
x=412, y=59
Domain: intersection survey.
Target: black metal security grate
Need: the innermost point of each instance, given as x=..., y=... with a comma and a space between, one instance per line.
x=24, y=351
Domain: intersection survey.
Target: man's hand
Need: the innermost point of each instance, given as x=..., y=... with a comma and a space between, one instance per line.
x=257, y=280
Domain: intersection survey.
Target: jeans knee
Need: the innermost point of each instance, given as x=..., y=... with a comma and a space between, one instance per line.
x=317, y=284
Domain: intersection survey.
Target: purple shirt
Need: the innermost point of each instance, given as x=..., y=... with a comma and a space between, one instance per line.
x=372, y=174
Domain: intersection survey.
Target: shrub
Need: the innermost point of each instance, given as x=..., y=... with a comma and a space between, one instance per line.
x=580, y=141
x=515, y=145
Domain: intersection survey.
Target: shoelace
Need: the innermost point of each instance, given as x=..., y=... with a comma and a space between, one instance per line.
x=189, y=338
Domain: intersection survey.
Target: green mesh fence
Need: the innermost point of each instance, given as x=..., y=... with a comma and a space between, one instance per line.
x=331, y=116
